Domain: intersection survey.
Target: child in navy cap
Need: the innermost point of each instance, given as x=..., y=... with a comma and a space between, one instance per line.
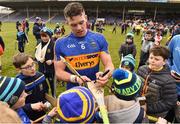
x=128, y=63
x=123, y=106
x=75, y=105
x=45, y=55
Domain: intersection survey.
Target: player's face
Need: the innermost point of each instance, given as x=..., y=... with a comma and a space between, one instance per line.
x=78, y=24
x=156, y=62
x=29, y=69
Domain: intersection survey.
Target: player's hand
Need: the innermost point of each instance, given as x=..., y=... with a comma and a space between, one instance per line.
x=83, y=79
x=49, y=62
x=101, y=80
x=38, y=106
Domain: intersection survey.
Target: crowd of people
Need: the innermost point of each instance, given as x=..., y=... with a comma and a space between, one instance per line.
x=153, y=91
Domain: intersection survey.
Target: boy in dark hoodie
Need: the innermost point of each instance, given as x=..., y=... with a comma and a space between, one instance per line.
x=128, y=47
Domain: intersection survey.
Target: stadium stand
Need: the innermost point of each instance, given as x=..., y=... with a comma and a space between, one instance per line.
x=52, y=11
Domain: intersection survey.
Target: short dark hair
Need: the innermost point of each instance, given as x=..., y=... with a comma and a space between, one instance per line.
x=150, y=32
x=160, y=51
x=20, y=59
x=73, y=9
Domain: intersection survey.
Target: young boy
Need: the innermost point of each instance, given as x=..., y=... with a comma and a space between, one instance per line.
x=21, y=39
x=123, y=106
x=35, y=85
x=159, y=86
x=128, y=47
x=128, y=63
x=81, y=110
x=147, y=44
x=57, y=27
x=57, y=34
x=62, y=30
x=158, y=38
x=12, y=92
x=45, y=55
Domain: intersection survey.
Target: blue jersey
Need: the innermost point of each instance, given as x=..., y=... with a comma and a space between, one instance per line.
x=83, y=53
x=174, y=47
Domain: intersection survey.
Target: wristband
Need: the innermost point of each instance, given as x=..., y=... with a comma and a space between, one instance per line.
x=73, y=78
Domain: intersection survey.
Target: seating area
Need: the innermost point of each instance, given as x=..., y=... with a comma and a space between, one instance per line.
x=57, y=16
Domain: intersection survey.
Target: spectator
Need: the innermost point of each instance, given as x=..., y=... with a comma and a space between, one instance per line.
x=35, y=85
x=128, y=47
x=37, y=28
x=159, y=86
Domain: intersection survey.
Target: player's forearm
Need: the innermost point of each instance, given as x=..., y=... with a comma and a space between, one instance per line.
x=109, y=67
x=107, y=62
x=63, y=75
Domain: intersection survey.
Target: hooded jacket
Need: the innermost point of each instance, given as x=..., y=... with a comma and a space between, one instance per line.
x=161, y=95
x=126, y=49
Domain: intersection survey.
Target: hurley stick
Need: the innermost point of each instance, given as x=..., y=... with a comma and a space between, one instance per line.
x=51, y=99
x=97, y=92
x=71, y=68
x=151, y=118
x=53, y=102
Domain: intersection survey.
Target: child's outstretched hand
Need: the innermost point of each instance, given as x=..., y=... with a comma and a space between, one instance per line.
x=38, y=106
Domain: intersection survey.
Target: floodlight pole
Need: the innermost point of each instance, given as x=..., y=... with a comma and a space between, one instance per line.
x=49, y=14
x=97, y=9
x=155, y=12
x=27, y=11
x=8, y=17
x=123, y=18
